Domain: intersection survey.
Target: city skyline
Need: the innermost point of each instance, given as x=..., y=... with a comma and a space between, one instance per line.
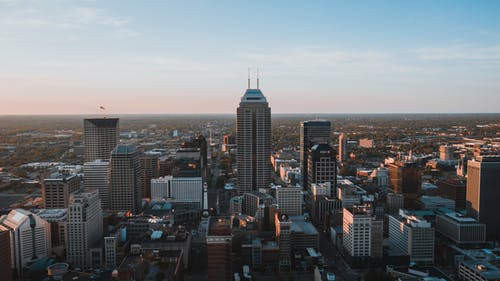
x=168, y=58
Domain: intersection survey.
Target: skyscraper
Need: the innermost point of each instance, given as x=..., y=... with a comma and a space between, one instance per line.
x=5, y=257
x=95, y=177
x=253, y=128
x=311, y=132
x=322, y=166
x=56, y=190
x=84, y=227
x=342, y=147
x=150, y=169
x=483, y=182
x=125, y=179
x=219, y=245
x=406, y=178
x=100, y=137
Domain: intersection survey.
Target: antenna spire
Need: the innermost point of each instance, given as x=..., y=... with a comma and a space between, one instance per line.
x=257, y=78
x=249, y=78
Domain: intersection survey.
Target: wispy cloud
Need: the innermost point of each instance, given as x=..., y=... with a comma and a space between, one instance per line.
x=461, y=53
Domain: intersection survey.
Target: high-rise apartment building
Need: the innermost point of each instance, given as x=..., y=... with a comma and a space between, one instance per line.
x=406, y=178
x=95, y=177
x=483, y=192
x=311, y=132
x=84, y=227
x=57, y=188
x=29, y=236
x=100, y=137
x=322, y=166
x=253, y=137
x=125, y=179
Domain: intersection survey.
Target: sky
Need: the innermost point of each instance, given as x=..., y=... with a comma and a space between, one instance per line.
x=170, y=57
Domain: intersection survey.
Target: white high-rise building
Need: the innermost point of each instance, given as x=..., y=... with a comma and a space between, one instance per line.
x=342, y=148
x=29, y=236
x=83, y=227
x=412, y=235
x=357, y=237
x=289, y=200
x=95, y=177
x=253, y=137
x=179, y=189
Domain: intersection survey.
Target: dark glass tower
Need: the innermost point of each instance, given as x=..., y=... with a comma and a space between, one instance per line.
x=311, y=132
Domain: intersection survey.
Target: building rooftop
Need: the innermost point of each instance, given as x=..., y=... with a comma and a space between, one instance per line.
x=52, y=215
x=103, y=122
x=300, y=225
x=219, y=226
x=458, y=217
x=124, y=149
x=253, y=96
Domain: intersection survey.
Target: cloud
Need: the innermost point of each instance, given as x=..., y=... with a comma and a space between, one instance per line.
x=461, y=53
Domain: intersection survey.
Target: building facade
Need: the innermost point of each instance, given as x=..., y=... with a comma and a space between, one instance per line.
x=57, y=188
x=100, y=137
x=125, y=179
x=253, y=137
x=322, y=166
x=311, y=132
x=95, y=177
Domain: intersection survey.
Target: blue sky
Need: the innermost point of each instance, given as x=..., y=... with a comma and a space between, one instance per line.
x=192, y=56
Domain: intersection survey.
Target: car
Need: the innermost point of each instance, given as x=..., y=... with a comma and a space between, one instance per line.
x=330, y=276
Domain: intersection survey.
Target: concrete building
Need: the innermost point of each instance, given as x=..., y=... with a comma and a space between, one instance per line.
x=5, y=257
x=29, y=237
x=100, y=137
x=479, y=265
x=253, y=137
x=483, y=180
x=178, y=189
x=362, y=232
x=322, y=166
x=406, y=178
x=95, y=177
x=125, y=179
x=84, y=228
x=219, y=245
x=289, y=200
x=460, y=229
x=412, y=235
x=366, y=143
x=150, y=169
x=236, y=205
x=57, y=188
x=57, y=220
x=311, y=132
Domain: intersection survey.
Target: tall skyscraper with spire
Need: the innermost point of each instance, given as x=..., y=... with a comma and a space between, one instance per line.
x=253, y=137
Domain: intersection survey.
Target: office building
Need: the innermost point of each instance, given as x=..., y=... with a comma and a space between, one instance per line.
x=125, y=179
x=150, y=169
x=84, y=228
x=460, y=229
x=289, y=200
x=406, y=178
x=454, y=189
x=462, y=165
x=311, y=132
x=283, y=236
x=57, y=221
x=413, y=236
x=187, y=163
x=253, y=137
x=5, y=257
x=100, y=137
x=479, y=265
x=483, y=192
x=435, y=202
x=446, y=152
x=342, y=148
x=219, y=249
x=178, y=189
x=95, y=177
x=56, y=190
x=200, y=143
x=29, y=237
x=362, y=232
x=110, y=252
x=322, y=166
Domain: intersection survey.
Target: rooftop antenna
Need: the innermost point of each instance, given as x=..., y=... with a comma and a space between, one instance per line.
x=249, y=78
x=257, y=78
